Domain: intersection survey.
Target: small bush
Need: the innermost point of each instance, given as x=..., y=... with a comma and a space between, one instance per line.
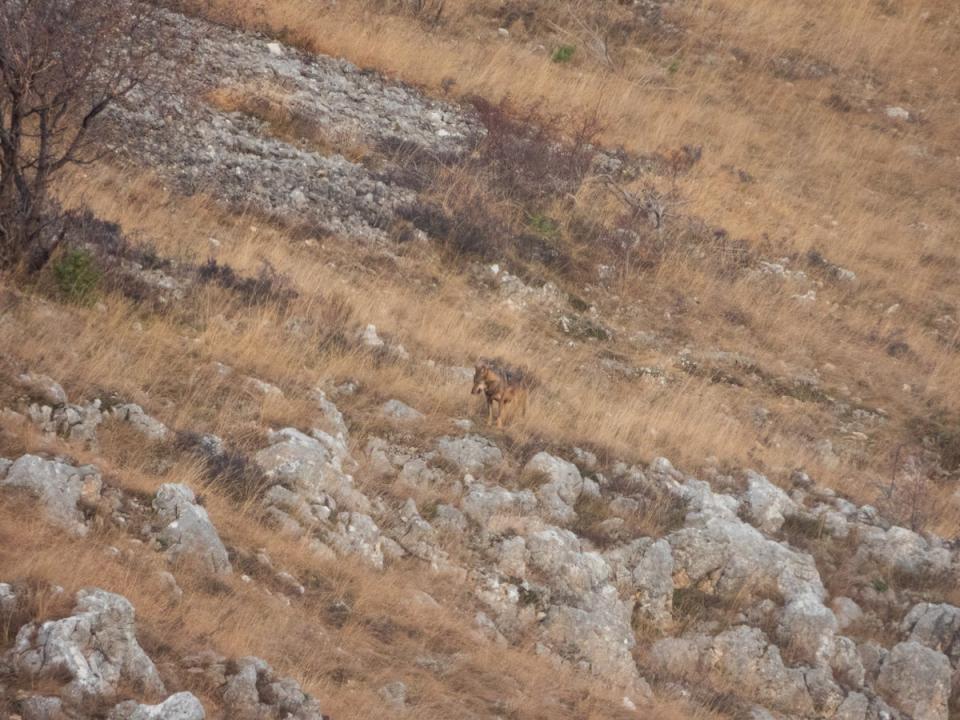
x=78, y=275
x=335, y=315
x=544, y=225
x=563, y=54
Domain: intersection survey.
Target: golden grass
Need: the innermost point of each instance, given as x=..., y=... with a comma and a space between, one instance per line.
x=878, y=197
x=437, y=315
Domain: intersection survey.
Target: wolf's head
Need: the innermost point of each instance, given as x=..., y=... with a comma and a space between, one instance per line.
x=480, y=375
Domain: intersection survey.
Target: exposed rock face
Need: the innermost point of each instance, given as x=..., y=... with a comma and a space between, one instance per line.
x=63, y=490
x=740, y=658
x=358, y=534
x=902, y=551
x=916, y=679
x=563, y=487
x=311, y=466
x=936, y=625
x=187, y=531
x=95, y=650
x=233, y=155
x=586, y=621
x=723, y=555
x=182, y=706
x=653, y=579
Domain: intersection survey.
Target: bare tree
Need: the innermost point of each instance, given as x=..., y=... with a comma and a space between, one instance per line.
x=62, y=63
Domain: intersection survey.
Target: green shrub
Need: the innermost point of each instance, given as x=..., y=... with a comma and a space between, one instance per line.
x=543, y=225
x=563, y=54
x=77, y=275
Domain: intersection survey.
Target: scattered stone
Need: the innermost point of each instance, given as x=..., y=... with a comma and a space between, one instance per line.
x=149, y=427
x=370, y=338
x=358, y=534
x=848, y=613
x=311, y=466
x=77, y=423
x=256, y=386
x=739, y=658
x=898, y=113
x=471, y=453
x=400, y=411
x=8, y=598
x=394, y=694
x=767, y=504
x=481, y=503
x=253, y=691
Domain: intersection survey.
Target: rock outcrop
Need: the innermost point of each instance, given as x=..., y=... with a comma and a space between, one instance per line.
x=94, y=651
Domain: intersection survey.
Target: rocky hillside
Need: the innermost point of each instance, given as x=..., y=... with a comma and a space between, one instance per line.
x=242, y=475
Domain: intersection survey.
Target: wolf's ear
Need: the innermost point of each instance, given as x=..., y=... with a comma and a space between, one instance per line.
x=481, y=366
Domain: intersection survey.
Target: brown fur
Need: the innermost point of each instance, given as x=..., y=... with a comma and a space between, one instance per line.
x=498, y=387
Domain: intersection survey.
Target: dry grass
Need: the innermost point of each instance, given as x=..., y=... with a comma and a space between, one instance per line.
x=435, y=312
x=871, y=194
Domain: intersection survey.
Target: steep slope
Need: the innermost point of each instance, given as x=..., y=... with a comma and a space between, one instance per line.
x=248, y=472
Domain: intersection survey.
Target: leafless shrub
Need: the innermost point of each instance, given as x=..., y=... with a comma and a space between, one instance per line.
x=429, y=11
x=267, y=286
x=535, y=154
x=62, y=64
x=909, y=496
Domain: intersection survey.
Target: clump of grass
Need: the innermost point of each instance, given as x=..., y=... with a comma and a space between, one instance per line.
x=544, y=225
x=563, y=53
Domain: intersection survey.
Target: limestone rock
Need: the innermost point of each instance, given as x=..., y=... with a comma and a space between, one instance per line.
x=62, y=489
x=312, y=466
x=43, y=389
x=916, y=679
x=94, y=650
x=187, y=531
x=182, y=706
x=471, y=453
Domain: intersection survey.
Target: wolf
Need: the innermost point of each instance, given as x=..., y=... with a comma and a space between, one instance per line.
x=502, y=388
